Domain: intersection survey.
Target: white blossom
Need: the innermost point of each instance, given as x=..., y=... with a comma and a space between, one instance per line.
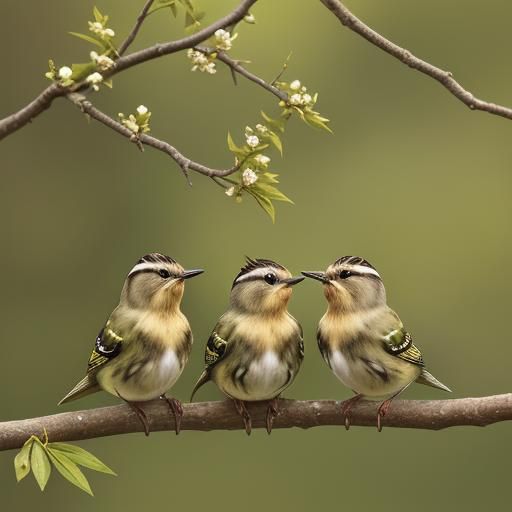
x=103, y=61
x=142, y=110
x=201, y=62
x=307, y=99
x=97, y=28
x=223, y=39
x=252, y=140
x=296, y=99
x=65, y=72
x=262, y=129
x=249, y=177
x=249, y=18
x=295, y=85
x=262, y=159
x=109, y=32
x=230, y=191
x=94, y=79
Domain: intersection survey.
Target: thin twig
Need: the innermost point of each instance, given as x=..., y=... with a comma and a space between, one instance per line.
x=207, y=416
x=445, y=78
x=143, y=138
x=19, y=119
x=133, y=34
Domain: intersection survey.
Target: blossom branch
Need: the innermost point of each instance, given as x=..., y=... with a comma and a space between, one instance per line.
x=19, y=119
x=207, y=416
x=143, y=139
x=133, y=34
x=445, y=78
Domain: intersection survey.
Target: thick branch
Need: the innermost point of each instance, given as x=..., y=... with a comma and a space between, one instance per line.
x=444, y=77
x=142, y=138
x=206, y=416
x=135, y=30
x=19, y=119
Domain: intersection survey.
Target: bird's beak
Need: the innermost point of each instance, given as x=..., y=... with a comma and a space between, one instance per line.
x=292, y=280
x=187, y=274
x=319, y=276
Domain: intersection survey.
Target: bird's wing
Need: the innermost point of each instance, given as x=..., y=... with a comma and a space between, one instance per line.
x=322, y=345
x=216, y=348
x=108, y=345
x=398, y=342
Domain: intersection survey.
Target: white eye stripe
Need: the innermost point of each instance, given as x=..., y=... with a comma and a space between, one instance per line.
x=144, y=266
x=255, y=274
x=361, y=269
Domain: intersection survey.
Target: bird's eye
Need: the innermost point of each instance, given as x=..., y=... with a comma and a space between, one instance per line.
x=270, y=278
x=164, y=273
x=344, y=274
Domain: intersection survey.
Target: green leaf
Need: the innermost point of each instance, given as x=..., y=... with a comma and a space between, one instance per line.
x=241, y=152
x=80, y=71
x=40, y=465
x=315, y=119
x=277, y=124
x=174, y=9
x=87, y=38
x=274, y=138
x=265, y=203
x=80, y=456
x=70, y=471
x=272, y=192
x=97, y=14
x=22, y=460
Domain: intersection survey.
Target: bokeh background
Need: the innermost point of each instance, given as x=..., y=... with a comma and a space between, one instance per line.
x=411, y=179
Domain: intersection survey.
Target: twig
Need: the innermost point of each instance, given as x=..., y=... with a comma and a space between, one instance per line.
x=133, y=34
x=142, y=138
x=19, y=119
x=207, y=416
x=444, y=77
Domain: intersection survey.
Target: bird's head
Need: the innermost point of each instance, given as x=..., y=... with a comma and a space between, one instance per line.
x=351, y=284
x=156, y=284
x=263, y=287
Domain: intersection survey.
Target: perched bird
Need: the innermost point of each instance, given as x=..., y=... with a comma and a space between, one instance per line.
x=363, y=340
x=256, y=348
x=142, y=349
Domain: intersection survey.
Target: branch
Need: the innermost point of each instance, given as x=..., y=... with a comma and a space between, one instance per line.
x=445, y=78
x=133, y=34
x=19, y=119
x=207, y=416
x=185, y=163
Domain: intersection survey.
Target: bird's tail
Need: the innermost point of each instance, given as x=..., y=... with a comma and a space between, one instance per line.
x=203, y=379
x=85, y=387
x=429, y=380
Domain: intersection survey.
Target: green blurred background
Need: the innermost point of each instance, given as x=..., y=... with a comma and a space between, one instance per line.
x=411, y=179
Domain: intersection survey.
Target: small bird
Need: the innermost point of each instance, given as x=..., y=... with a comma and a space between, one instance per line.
x=363, y=340
x=256, y=348
x=142, y=349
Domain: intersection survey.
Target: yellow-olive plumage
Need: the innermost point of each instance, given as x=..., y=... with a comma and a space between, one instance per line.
x=256, y=348
x=363, y=340
x=143, y=347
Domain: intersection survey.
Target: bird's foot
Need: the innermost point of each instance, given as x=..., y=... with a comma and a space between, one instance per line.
x=137, y=409
x=177, y=409
x=272, y=412
x=346, y=406
x=381, y=412
x=244, y=413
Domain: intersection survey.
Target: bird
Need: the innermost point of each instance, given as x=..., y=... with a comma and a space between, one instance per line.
x=143, y=347
x=256, y=348
x=363, y=340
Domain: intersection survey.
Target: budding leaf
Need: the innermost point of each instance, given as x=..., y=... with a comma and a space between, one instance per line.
x=272, y=192
x=69, y=470
x=80, y=456
x=277, y=124
x=265, y=203
x=22, y=461
x=274, y=138
x=87, y=38
x=40, y=465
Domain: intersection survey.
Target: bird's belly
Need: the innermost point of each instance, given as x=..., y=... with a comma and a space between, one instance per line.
x=263, y=379
x=356, y=375
x=139, y=381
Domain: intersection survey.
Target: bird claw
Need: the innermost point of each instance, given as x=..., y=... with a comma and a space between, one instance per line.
x=346, y=407
x=141, y=415
x=244, y=413
x=272, y=412
x=177, y=409
x=381, y=412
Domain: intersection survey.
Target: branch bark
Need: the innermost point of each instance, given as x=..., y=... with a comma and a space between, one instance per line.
x=207, y=416
x=445, y=78
x=135, y=30
x=143, y=139
x=19, y=119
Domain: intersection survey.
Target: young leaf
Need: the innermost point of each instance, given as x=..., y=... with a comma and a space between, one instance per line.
x=22, y=460
x=97, y=14
x=87, y=38
x=69, y=470
x=80, y=71
x=272, y=192
x=274, y=138
x=241, y=152
x=40, y=465
x=80, y=456
x=277, y=124
x=265, y=203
